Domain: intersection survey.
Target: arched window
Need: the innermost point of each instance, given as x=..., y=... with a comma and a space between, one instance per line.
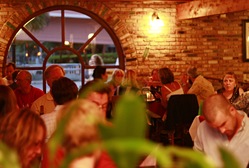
x=68, y=37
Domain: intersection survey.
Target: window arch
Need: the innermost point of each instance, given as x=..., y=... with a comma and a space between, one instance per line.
x=67, y=36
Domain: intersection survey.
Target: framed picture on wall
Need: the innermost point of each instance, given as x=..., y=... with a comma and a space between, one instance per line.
x=245, y=40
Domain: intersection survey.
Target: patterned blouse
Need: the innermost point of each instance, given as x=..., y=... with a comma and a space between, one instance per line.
x=234, y=96
x=242, y=102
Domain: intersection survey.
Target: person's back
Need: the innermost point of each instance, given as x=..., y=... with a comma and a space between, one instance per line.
x=45, y=104
x=63, y=91
x=99, y=73
x=169, y=87
x=201, y=87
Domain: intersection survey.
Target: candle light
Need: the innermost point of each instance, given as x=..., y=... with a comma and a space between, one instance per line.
x=147, y=96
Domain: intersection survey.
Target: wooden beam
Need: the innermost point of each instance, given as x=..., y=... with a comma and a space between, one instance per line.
x=202, y=8
x=180, y=1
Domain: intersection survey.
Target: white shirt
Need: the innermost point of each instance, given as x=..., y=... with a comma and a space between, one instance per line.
x=50, y=120
x=208, y=140
x=46, y=101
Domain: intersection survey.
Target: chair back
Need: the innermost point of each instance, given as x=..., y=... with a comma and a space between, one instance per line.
x=181, y=110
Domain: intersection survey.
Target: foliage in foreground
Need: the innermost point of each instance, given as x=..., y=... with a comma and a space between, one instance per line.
x=126, y=143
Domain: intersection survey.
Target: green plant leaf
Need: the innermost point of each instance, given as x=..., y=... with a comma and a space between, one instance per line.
x=229, y=160
x=130, y=117
x=129, y=122
x=188, y=158
x=129, y=152
x=8, y=157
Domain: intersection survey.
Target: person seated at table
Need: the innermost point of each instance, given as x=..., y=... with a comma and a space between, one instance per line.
x=169, y=87
x=155, y=85
x=82, y=118
x=230, y=88
x=14, y=85
x=10, y=68
x=224, y=126
x=154, y=79
x=129, y=83
x=24, y=131
x=46, y=104
x=114, y=84
x=26, y=94
x=195, y=83
x=116, y=81
x=63, y=90
x=98, y=92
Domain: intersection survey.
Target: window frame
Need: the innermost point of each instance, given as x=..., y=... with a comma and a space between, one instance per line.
x=103, y=25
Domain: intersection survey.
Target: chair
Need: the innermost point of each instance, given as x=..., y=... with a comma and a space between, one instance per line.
x=181, y=111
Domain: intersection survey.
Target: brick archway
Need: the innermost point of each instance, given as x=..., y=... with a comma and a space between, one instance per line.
x=96, y=10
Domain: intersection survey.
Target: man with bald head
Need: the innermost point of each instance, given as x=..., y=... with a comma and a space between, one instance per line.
x=223, y=126
x=25, y=93
x=45, y=104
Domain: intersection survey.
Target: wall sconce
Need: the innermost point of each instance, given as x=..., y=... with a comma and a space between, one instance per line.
x=156, y=22
x=155, y=16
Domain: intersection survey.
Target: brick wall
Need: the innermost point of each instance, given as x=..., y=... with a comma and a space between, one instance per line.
x=213, y=44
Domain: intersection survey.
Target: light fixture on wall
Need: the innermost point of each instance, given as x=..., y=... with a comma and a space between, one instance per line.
x=155, y=16
x=155, y=20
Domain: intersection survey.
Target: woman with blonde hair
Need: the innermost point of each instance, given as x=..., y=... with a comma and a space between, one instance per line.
x=114, y=85
x=116, y=81
x=130, y=82
x=230, y=88
x=82, y=118
x=24, y=131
